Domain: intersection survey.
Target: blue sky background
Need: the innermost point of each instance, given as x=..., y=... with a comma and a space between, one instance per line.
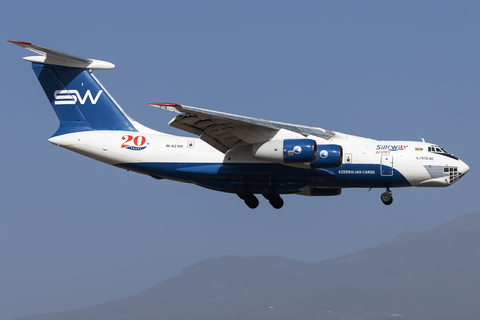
x=75, y=232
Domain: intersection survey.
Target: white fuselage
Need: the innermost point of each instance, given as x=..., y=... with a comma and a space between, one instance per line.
x=364, y=160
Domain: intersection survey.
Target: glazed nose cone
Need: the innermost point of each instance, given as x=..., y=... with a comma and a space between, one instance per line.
x=463, y=167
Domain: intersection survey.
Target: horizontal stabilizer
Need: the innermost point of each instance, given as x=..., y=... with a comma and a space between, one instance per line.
x=58, y=58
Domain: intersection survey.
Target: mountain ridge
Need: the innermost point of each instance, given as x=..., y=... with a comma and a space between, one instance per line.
x=420, y=275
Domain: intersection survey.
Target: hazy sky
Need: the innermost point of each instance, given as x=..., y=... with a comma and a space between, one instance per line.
x=75, y=232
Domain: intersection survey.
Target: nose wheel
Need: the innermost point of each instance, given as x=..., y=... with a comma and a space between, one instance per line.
x=386, y=197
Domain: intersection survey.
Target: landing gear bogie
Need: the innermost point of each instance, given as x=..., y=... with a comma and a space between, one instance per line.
x=246, y=195
x=272, y=196
x=251, y=200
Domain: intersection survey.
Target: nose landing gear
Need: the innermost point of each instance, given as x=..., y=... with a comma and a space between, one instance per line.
x=386, y=197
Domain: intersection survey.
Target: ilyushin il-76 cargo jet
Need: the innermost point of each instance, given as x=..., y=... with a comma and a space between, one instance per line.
x=233, y=153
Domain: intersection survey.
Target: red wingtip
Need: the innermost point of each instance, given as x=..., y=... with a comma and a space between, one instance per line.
x=164, y=104
x=22, y=42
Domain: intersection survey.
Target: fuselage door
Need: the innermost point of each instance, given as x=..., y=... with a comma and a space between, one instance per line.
x=386, y=165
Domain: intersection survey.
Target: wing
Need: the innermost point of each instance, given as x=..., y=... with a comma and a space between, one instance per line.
x=225, y=131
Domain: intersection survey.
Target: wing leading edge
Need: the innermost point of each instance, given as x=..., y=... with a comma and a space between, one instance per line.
x=225, y=131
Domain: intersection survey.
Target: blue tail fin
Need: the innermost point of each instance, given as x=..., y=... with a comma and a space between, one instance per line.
x=78, y=98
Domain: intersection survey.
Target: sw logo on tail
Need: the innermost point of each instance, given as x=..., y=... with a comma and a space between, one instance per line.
x=73, y=96
x=235, y=154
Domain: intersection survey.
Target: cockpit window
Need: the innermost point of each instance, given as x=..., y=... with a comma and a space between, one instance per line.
x=437, y=149
x=440, y=150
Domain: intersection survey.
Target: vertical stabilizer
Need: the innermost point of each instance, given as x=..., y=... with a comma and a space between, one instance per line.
x=78, y=98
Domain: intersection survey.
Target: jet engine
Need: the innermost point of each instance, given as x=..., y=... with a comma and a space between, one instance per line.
x=328, y=156
x=286, y=151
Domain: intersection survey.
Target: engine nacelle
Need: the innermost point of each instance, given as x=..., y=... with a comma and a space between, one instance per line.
x=286, y=151
x=328, y=156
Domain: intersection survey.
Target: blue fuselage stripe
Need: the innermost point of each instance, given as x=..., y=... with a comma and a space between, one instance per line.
x=285, y=179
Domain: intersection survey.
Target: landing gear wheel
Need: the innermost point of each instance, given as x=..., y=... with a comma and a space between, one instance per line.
x=242, y=192
x=387, y=198
x=246, y=195
x=271, y=195
x=276, y=202
x=267, y=191
x=251, y=201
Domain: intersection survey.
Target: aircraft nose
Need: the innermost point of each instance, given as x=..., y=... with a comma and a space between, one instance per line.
x=463, y=168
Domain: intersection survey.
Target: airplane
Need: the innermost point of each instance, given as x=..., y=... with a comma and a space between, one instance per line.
x=234, y=154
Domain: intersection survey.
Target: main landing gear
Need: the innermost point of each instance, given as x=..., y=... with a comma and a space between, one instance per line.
x=252, y=202
x=386, y=197
x=272, y=196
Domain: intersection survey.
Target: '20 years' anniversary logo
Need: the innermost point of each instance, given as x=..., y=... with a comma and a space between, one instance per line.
x=134, y=143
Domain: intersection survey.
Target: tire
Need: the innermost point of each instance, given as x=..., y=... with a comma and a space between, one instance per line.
x=268, y=192
x=242, y=192
x=387, y=198
x=276, y=202
x=251, y=201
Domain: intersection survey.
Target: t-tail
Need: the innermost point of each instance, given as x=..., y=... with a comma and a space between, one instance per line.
x=78, y=98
